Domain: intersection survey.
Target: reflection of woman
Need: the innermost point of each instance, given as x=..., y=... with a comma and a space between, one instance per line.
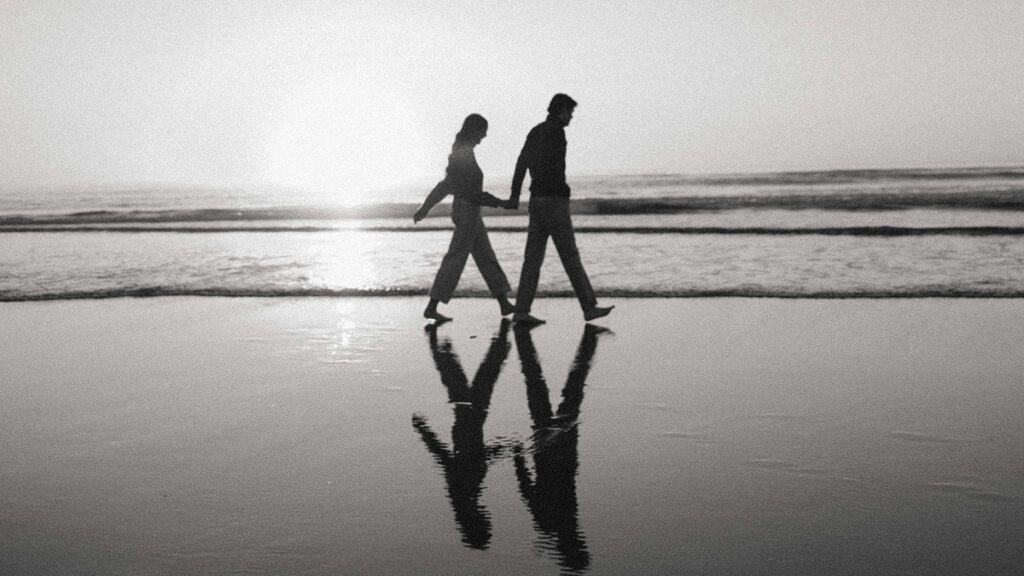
x=465, y=464
x=464, y=180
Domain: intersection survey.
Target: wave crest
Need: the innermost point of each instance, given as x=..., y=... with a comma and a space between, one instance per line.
x=1005, y=198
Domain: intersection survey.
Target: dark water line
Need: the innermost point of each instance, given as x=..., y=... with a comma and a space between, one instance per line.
x=882, y=231
x=56, y=229
x=159, y=291
x=886, y=231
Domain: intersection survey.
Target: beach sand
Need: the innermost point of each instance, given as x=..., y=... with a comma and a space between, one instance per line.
x=705, y=436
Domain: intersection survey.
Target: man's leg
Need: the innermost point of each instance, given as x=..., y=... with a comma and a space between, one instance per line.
x=529, y=277
x=565, y=242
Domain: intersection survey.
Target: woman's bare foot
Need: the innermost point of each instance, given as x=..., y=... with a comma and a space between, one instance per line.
x=436, y=316
x=431, y=313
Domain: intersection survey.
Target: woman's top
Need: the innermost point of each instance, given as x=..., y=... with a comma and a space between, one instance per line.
x=463, y=179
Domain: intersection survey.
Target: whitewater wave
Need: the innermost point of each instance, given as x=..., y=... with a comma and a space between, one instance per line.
x=1004, y=198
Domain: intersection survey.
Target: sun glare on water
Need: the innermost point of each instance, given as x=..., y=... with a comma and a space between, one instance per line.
x=345, y=261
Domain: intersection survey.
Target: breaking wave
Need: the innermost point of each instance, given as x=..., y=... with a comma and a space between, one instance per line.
x=1009, y=197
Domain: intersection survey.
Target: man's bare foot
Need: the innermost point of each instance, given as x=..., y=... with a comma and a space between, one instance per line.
x=527, y=319
x=597, y=312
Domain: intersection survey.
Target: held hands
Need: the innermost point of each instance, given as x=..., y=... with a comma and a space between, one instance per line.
x=491, y=200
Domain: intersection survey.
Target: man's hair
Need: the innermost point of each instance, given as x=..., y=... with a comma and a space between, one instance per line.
x=560, y=101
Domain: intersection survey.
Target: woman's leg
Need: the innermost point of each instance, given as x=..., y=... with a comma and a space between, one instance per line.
x=432, y=313
x=451, y=268
x=494, y=276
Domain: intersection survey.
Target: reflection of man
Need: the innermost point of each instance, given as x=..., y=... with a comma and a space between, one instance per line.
x=465, y=465
x=550, y=493
x=543, y=155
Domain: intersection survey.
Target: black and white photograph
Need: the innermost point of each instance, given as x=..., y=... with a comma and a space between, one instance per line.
x=389, y=287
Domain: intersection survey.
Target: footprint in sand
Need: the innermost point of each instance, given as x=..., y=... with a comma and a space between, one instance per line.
x=661, y=406
x=925, y=438
x=799, y=418
x=968, y=491
x=693, y=436
x=782, y=465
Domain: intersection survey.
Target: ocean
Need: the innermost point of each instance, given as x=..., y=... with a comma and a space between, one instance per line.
x=831, y=234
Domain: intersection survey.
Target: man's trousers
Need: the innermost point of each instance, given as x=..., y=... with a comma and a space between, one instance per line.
x=549, y=217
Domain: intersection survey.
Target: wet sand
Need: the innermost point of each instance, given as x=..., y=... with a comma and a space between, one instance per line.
x=337, y=436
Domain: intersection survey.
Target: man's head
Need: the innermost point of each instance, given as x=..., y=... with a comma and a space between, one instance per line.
x=561, y=107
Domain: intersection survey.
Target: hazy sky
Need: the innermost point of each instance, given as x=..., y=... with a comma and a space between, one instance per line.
x=350, y=95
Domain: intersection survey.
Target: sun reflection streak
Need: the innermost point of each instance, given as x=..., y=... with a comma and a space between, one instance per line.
x=347, y=261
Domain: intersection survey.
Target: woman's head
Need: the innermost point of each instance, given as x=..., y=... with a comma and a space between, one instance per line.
x=474, y=129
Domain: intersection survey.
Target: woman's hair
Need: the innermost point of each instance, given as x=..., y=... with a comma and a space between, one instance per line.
x=472, y=127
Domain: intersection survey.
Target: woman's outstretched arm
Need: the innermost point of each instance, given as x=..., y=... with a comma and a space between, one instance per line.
x=435, y=196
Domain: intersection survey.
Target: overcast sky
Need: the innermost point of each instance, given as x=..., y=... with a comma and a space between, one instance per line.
x=351, y=95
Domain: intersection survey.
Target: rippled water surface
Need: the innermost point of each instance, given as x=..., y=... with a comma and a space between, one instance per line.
x=75, y=264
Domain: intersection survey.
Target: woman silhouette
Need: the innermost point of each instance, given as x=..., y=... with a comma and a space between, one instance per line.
x=464, y=180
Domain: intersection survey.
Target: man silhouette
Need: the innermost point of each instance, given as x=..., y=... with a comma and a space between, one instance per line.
x=550, y=492
x=543, y=155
